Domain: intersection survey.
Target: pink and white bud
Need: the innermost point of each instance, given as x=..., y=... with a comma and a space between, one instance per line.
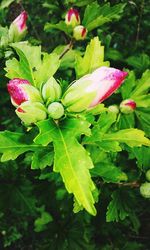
x=79, y=32
x=127, y=106
x=93, y=89
x=72, y=17
x=18, y=28
x=21, y=90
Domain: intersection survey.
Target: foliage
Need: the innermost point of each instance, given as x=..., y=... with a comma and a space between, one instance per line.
x=55, y=175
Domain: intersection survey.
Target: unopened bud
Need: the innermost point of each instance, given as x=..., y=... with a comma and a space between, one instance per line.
x=145, y=190
x=31, y=112
x=21, y=90
x=113, y=109
x=51, y=91
x=79, y=32
x=148, y=175
x=18, y=28
x=55, y=110
x=72, y=18
x=127, y=106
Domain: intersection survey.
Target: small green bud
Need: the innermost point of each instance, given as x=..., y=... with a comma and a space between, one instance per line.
x=56, y=110
x=148, y=175
x=31, y=112
x=113, y=109
x=51, y=91
x=145, y=190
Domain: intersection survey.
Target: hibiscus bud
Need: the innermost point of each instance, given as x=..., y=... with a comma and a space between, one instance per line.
x=55, y=110
x=31, y=112
x=113, y=109
x=79, y=32
x=92, y=89
x=145, y=190
x=18, y=28
x=127, y=106
x=51, y=91
x=21, y=91
x=148, y=175
x=72, y=17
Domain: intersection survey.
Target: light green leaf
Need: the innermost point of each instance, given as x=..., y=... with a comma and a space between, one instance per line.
x=46, y=129
x=5, y=3
x=48, y=67
x=93, y=58
x=71, y=159
x=42, y=158
x=96, y=15
x=31, y=66
x=12, y=145
x=109, y=172
x=132, y=137
x=117, y=208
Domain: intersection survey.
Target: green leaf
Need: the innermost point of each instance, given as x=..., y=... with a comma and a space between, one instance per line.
x=142, y=86
x=45, y=135
x=31, y=66
x=12, y=145
x=128, y=85
x=49, y=27
x=109, y=172
x=143, y=117
x=117, y=208
x=42, y=158
x=71, y=160
x=41, y=222
x=96, y=15
x=5, y=3
x=132, y=137
x=93, y=58
x=126, y=121
x=48, y=67
x=140, y=62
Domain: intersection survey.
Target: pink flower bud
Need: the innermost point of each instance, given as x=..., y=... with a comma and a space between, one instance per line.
x=21, y=91
x=79, y=32
x=93, y=89
x=72, y=17
x=127, y=106
x=20, y=21
x=18, y=28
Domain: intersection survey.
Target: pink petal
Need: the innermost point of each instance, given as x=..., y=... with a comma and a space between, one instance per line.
x=106, y=80
x=20, y=21
x=16, y=92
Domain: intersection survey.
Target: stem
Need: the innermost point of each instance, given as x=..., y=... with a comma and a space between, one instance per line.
x=66, y=49
x=139, y=22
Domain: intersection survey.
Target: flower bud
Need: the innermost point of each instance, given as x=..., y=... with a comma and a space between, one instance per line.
x=72, y=17
x=113, y=109
x=21, y=91
x=127, y=106
x=55, y=110
x=79, y=32
x=51, y=91
x=18, y=28
x=145, y=190
x=148, y=175
x=31, y=112
x=92, y=89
